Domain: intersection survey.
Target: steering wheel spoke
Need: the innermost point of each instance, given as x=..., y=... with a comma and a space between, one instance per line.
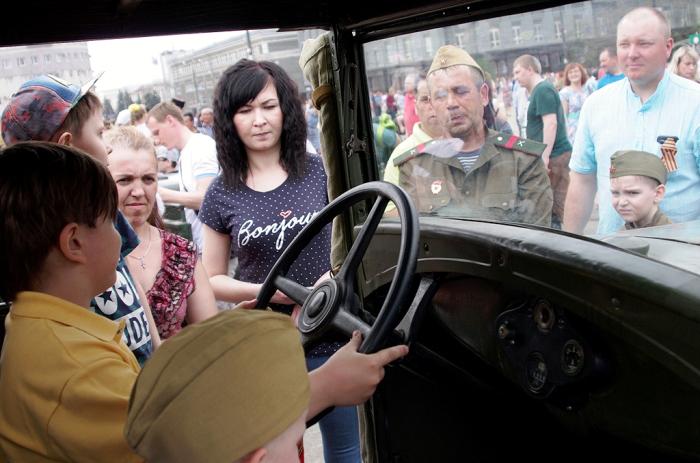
x=296, y=292
x=359, y=247
x=346, y=323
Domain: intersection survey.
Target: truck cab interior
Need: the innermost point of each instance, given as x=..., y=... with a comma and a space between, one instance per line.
x=525, y=341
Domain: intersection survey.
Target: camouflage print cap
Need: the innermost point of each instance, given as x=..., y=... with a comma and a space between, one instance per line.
x=449, y=55
x=39, y=108
x=631, y=162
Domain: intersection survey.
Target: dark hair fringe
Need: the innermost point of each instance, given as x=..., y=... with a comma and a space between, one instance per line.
x=43, y=187
x=240, y=84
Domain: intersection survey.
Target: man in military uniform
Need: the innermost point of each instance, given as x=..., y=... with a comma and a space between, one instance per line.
x=479, y=173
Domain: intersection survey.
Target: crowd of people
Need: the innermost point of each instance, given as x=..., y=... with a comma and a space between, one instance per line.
x=85, y=341
x=139, y=363
x=642, y=98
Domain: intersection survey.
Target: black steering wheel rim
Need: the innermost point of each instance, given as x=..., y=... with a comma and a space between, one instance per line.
x=332, y=303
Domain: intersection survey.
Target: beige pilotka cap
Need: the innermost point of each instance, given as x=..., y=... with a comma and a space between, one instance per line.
x=633, y=162
x=450, y=55
x=219, y=390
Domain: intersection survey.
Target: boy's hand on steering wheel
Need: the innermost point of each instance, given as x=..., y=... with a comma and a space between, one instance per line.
x=352, y=377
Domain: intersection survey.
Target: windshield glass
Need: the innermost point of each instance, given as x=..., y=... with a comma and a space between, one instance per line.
x=581, y=117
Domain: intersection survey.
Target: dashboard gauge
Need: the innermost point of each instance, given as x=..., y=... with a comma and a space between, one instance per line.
x=572, y=357
x=544, y=316
x=536, y=372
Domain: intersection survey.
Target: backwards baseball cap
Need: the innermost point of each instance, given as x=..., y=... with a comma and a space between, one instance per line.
x=450, y=55
x=40, y=107
x=219, y=389
x=631, y=162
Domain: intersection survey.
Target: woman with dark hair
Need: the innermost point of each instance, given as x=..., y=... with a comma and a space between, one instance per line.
x=268, y=190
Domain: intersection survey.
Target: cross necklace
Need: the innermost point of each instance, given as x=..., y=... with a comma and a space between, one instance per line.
x=148, y=248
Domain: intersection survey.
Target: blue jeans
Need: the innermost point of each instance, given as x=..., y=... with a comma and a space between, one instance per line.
x=340, y=429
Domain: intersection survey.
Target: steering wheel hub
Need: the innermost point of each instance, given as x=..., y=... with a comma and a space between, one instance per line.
x=320, y=307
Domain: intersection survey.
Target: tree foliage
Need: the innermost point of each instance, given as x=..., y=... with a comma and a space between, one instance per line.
x=108, y=109
x=150, y=99
x=123, y=100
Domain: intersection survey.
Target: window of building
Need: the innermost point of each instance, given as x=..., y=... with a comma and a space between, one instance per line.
x=578, y=27
x=516, y=35
x=408, y=47
x=538, y=32
x=495, y=37
x=685, y=16
x=35, y=60
x=544, y=61
x=460, y=39
x=20, y=61
x=602, y=25
x=47, y=58
x=6, y=63
x=391, y=52
x=282, y=45
x=429, y=46
x=557, y=29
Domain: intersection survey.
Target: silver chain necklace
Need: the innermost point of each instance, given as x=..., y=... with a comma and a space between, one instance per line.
x=148, y=248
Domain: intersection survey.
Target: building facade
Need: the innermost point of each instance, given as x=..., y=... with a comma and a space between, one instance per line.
x=570, y=33
x=192, y=76
x=69, y=61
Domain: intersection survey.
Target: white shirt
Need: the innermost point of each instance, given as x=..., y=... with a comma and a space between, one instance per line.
x=197, y=161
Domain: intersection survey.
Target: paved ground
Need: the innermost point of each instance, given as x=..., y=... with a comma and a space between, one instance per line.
x=313, y=447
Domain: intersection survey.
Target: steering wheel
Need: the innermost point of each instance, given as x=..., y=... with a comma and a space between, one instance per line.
x=332, y=305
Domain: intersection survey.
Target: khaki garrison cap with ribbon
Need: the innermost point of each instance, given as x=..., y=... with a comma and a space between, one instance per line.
x=449, y=55
x=219, y=390
x=631, y=162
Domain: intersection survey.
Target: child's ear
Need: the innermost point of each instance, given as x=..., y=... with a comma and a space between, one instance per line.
x=65, y=139
x=255, y=456
x=659, y=193
x=70, y=243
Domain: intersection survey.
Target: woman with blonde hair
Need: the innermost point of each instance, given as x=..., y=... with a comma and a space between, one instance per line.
x=684, y=63
x=176, y=284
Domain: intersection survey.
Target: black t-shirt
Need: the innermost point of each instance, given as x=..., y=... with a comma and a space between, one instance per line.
x=262, y=224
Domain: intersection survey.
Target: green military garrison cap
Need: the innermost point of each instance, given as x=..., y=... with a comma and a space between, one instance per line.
x=219, y=389
x=449, y=55
x=631, y=162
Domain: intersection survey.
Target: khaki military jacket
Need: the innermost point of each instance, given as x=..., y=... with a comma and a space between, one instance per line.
x=508, y=182
x=658, y=219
